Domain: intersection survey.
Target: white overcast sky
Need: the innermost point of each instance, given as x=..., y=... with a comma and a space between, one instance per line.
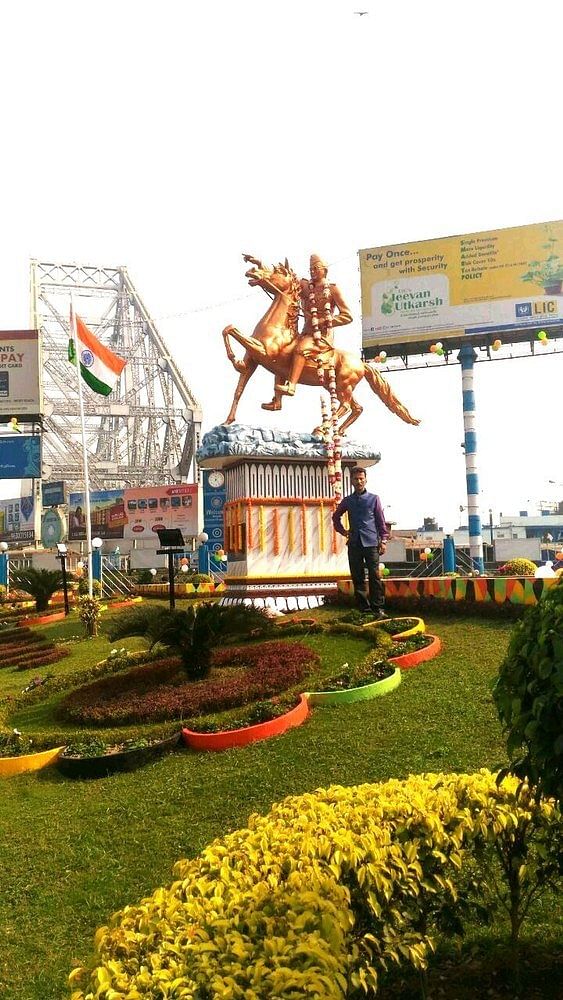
x=171, y=137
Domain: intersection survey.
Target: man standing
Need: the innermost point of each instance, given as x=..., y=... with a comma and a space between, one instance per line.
x=367, y=537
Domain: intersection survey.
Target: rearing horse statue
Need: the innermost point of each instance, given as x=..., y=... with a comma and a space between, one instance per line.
x=273, y=342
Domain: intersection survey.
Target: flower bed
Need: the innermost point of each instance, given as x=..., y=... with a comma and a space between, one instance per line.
x=28, y=762
x=346, y=696
x=230, y=738
x=133, y=696
x=407, y=660
x=23, y=649
x=109, y=760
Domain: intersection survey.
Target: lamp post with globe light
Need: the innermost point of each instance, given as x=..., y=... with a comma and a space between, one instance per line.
x=97, y=561
x=62, y=557
x=203, y=553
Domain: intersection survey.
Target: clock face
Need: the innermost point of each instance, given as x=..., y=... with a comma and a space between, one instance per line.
x=216, y=479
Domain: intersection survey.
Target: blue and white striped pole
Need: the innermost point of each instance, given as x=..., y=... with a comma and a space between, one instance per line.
x=467, y=357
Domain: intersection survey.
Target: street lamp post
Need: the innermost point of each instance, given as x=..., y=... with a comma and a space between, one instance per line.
x=97, y=561
x=4, y=567
x=62, y=556
x=203, y=553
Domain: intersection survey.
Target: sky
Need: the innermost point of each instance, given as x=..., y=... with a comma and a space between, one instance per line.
x=170, y=138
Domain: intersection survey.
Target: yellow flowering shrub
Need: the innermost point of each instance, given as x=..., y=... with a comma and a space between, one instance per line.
x=313, y=899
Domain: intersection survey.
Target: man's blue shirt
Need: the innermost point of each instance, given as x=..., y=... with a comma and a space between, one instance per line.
x=365, y=514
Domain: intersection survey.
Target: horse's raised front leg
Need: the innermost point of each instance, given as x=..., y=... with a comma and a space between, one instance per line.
x=249, y=343
x=250, y=367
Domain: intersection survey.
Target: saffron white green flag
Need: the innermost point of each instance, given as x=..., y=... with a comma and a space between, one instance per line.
x=100, y=368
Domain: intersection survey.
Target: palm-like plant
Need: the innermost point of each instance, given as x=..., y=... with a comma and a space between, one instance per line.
x=41, y=584
x=194, y=632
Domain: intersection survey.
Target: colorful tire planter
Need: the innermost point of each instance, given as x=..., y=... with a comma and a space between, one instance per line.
x=350, y=695
x=122, y=760
x=28, y=762
x=229, y=738
x=408, y=660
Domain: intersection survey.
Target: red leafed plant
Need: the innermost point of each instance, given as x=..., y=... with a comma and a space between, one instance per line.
x=149, y=694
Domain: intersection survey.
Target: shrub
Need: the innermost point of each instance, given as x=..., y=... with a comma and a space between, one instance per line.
x=83, y=587
x=529, y=694
x=192, y=633
x=317, y=898
x=518, y=567
x=14, y=744
x=160, y=692
x=40, y=583
x=89, y=611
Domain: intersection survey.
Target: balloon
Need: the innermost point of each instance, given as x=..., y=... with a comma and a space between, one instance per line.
x=497, y=344
x=432, y=348
x=439, y=345
x=440, y=351
x=382, y=566
x=386, y=572
x=542, y=335
x=423, y=556
x=383, y=355
x=184, y=562
x=428, y=551
x=545, y=342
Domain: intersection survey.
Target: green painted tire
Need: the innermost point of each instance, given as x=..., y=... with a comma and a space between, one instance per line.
x=363, y=693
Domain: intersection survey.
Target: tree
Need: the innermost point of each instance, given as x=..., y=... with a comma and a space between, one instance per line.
x=194, y=632
x=41, y=584
x=529, y=695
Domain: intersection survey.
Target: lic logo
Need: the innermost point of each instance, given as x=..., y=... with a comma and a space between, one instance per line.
x=523, y=308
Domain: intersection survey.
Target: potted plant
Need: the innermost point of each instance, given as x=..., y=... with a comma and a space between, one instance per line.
x=548, y=274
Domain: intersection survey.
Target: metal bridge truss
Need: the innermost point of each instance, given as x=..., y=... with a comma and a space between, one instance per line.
x=147, y=431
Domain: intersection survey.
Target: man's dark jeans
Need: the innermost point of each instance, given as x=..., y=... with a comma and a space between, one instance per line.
x=362, y=558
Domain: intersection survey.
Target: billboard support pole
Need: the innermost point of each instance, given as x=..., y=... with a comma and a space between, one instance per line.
x=467, y=358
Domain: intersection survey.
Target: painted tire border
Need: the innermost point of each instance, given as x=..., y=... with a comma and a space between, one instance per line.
x=419, y=627
x=229, y=738
x=364, y=693
x=408, y=660
x=28, y=762
x=113, y=763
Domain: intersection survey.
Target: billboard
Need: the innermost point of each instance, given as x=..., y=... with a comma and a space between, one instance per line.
x=481, y=283
x=135, y=513
x=53, y=493
x=20, y=386
x=20, y=456
x=17, y=520
x=214, y=499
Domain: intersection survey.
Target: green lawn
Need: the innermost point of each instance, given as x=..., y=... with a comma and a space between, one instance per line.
x=71, y=853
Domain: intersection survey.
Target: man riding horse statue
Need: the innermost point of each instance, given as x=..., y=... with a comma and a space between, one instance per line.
x=309, y=356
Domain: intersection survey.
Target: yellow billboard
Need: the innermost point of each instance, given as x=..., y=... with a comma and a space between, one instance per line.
x=481, y=283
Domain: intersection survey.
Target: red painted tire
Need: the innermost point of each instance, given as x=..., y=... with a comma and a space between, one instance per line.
x=408, y=660
x=240, y=737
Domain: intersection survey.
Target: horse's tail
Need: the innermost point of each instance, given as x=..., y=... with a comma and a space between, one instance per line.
x=387, y=396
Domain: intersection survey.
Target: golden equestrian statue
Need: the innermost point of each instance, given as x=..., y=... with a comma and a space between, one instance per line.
x=303, y=357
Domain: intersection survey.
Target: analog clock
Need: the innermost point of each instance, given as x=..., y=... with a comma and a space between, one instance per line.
x=216, y=479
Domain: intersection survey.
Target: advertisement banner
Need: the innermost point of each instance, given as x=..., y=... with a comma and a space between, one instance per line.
x=20, y=456
x=481, y=283
x=53, y=493
x=214, y=498
x=17, y=520
x=135, y=513
x=20, y=386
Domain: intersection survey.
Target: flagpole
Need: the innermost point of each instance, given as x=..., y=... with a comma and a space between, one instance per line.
x=84, y=450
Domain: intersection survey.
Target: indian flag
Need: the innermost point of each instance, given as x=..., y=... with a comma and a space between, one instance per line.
x=100, y=368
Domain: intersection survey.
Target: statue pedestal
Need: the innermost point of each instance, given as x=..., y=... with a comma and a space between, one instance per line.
x=281, y=547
